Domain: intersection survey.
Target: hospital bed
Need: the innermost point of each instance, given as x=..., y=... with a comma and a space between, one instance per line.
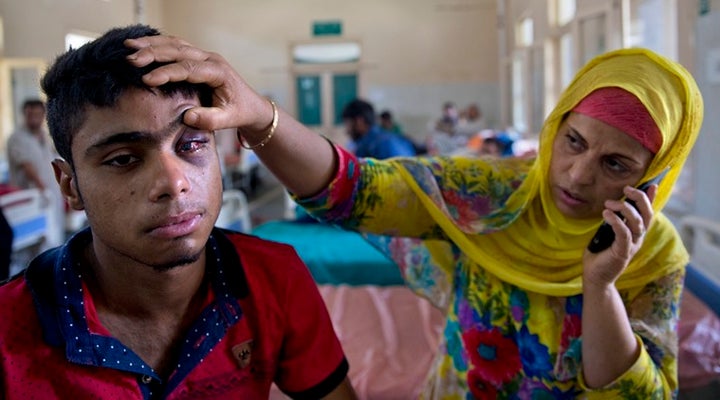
x=27, y=215
x=390, y=335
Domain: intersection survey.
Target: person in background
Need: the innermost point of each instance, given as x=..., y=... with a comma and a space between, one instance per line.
x=388, y=123
x=443, y=138
x=471, y=122
x=29, y=154
x=501, y=244
x=449, y=119
x=369, y=140
x=152, y=301
x=492, y=147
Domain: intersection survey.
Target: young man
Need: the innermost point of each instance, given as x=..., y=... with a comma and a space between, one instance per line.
x=151, y=301
x=29, y=151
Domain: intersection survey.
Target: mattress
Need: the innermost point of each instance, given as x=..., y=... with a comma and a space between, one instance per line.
x=333, y=255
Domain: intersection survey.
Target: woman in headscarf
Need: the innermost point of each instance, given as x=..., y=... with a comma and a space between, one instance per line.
x=501, y=244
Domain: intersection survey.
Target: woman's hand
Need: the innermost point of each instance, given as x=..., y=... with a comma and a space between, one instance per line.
x=603, y=268
x=302, y=160
x=234, y=103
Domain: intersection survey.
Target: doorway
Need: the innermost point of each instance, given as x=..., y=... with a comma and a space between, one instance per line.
x=326, y=78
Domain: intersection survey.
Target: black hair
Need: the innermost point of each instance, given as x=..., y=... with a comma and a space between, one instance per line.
x=33, y=103
x=360, y=109
x=97, y=74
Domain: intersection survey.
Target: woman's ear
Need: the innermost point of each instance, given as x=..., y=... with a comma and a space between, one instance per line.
x=65, y=177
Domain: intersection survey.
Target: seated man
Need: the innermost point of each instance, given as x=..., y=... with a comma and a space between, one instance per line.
x=152, y=301
x=388, y=123
x=369, y=140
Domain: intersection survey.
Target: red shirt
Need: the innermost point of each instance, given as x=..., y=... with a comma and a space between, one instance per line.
x=264, y=322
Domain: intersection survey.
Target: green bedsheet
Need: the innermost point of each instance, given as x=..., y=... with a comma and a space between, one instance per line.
x=333, y=255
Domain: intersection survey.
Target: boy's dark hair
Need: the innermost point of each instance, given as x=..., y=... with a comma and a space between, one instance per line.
x=33, y=103
x=359, y=108
x=97, y=74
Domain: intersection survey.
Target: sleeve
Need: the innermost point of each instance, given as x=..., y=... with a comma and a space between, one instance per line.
x=16, y=149
x=390, y=197
x=312, y=363
x=370, y=196
x=654, y=316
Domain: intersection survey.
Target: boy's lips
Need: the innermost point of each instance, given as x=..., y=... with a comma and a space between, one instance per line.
x=176, y=225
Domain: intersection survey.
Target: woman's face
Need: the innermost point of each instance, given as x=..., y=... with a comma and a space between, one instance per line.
x=592, y=162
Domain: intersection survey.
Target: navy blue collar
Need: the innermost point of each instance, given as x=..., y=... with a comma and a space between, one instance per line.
x=55, y=282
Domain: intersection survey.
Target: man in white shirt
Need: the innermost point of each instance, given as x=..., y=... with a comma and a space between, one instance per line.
x=30, y=152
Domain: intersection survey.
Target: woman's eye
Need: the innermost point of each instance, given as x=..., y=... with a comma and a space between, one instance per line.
x=615, y=166
x=573, y=142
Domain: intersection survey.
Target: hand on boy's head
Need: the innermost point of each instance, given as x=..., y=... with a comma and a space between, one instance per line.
x=234, y=105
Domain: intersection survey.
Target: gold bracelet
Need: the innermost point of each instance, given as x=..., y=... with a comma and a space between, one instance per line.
x=266, y=139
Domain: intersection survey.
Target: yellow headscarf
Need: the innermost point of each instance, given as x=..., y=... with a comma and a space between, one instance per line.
x=541, y=250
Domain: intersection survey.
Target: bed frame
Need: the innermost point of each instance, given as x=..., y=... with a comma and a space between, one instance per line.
x=702, y=239
x=26, y=215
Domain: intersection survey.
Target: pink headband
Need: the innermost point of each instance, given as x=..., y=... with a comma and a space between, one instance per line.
x=622, y=110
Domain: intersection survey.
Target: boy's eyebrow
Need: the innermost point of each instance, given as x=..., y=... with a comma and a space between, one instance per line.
x=122, y=137
x=133, y=137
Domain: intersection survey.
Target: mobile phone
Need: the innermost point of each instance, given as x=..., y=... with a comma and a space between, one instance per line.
x=605, y=235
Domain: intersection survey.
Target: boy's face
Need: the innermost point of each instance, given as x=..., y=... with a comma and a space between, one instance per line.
x=150, y=185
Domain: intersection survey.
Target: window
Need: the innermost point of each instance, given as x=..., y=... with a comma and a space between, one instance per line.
x=567, y=66
x=74, y=40
x=565, y=11
x=309, y=99
x=519, y=114
x=322, y=53
x=653, y=25
x=592, y=37
x=524, y=33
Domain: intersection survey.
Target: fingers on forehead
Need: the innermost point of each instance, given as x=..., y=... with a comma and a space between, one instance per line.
x=175, y=52
x=160, y=40
x=186, y=70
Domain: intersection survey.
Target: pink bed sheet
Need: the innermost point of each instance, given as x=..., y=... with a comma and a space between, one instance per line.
x=699, y=336
x=390, y=336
